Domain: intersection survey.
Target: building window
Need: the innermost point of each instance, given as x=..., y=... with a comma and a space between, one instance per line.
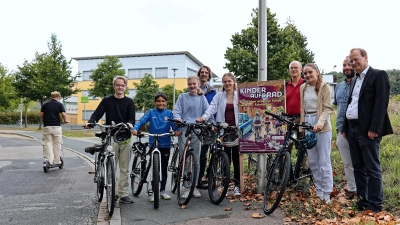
x=86, y=93
x=71, y=106
x=191, y=72
x=86, y=75
x=161, y=72
x=86, y=114
x=138, y=73
x=132, y=93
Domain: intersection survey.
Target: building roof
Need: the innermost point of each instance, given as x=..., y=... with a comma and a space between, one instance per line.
x=188, y=54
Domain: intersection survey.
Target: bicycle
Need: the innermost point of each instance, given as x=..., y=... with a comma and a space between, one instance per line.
x=185, y=178
x=173, y=166
x=142, y=167
x=104, y=175
x=280, y=170
x=218, y=170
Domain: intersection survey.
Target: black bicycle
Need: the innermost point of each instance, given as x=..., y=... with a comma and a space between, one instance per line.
x=185, y=173
x=280, y=170
x=104, y=174
x=145, y=163
x=218, y=170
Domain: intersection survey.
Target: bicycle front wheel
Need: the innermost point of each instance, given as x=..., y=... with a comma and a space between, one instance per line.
x=110, y=185
x=136, y=176
x=173, y=168
x=156, y=179
x=99, y=180
x=218, y=177
x=277, y=181
x=187, y=182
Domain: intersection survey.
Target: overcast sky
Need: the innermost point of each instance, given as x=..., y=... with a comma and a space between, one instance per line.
x=204, y=28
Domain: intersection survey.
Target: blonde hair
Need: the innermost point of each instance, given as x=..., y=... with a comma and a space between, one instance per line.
x=230, y=75
x=319, y=78
x=120, y=78
x=199, y=91
x=55, y=94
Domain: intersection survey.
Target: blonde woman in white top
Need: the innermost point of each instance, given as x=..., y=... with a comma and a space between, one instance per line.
x=316, y=107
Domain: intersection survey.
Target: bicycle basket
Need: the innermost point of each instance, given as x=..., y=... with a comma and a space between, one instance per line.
x=207, y=136
x=123, y=135
x=310, y=140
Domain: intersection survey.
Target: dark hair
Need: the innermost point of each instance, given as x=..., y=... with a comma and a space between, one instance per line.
x=209, y=72
x=161, y=94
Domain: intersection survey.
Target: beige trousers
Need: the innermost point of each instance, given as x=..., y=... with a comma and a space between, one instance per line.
x=122, y=159
x=51, y=142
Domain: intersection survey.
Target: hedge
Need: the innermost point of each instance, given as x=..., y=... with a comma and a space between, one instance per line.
x=33, y=117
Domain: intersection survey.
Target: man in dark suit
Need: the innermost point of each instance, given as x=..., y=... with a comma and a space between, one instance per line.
x=367, y=121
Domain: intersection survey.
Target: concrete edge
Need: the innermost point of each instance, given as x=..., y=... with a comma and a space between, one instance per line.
x=116, y=219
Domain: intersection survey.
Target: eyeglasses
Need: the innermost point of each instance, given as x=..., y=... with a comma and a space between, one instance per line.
x=351, y=61
x=120, y=85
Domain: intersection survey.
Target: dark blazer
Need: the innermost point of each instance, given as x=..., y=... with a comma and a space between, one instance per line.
x=373, y=103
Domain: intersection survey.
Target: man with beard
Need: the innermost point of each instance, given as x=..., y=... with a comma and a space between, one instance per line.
x=342, y=92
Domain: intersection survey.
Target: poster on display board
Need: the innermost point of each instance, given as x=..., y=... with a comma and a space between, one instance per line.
x=261, y=133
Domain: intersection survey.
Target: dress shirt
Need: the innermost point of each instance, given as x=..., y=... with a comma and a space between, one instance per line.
x=352, y=109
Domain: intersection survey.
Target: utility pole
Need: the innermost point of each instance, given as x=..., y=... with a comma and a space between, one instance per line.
x=262, y=76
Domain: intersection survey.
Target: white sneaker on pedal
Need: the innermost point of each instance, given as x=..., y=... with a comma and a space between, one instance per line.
x=165, y=196
x=152, y=198
x=196, y=193
x=185, y=193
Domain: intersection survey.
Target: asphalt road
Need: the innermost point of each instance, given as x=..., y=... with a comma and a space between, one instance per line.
x=198, y=211
x=30, y=196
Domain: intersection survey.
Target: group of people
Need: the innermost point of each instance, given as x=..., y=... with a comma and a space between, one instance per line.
x=362, y=120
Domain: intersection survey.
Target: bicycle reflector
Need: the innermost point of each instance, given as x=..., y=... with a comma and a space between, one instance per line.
x=123, y=135
x=310, y=140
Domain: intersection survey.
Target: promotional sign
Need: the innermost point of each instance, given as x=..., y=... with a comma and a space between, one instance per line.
x=261, y=133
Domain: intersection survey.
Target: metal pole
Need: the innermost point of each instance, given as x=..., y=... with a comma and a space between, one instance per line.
x=262, y=76
x=20, y=109
x=173, y=106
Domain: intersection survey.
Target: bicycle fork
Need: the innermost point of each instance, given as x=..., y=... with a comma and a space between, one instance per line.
x=150, y=170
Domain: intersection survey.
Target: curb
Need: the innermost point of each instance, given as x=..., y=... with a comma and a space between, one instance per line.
x=116, y=218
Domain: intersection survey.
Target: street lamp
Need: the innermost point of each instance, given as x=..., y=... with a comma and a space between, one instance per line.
x=174, y=69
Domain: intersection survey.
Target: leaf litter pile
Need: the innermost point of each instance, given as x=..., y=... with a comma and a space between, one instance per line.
x=304, y=207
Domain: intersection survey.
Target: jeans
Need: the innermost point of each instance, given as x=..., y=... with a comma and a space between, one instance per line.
x=195, y=144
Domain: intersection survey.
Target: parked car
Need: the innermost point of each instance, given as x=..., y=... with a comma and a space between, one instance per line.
x=245, y=123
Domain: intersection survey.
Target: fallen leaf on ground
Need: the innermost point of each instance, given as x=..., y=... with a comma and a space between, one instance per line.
x=227, y=209
x=256, y=215
x=183, y=207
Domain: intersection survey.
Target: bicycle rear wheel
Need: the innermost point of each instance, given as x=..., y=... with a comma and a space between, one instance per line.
x=187, y=183
x=173, y=168
x=136, y=176
x=218, y=177
x=277, y=181
x=110, y=185
x=156, y=179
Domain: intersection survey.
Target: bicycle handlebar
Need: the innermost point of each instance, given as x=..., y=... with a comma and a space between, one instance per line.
x=284, y=119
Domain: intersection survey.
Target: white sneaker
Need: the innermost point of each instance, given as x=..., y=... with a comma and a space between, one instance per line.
x=165, y=196
x=327, y=198
x=185, y=193
x=236, y=191
x=196, y=193
x=152, y=198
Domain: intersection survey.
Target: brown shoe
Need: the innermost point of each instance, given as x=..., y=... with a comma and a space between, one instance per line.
x=351, y=195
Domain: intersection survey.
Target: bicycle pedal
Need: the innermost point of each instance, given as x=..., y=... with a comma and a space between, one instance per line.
x=92, y=172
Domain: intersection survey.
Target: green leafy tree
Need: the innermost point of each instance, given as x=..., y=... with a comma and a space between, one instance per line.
x=7, y=92
x=103, y=76
x=394, y=78
x=284, y=45
x=145, y=92
x=48, y=72
x=169, y=91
